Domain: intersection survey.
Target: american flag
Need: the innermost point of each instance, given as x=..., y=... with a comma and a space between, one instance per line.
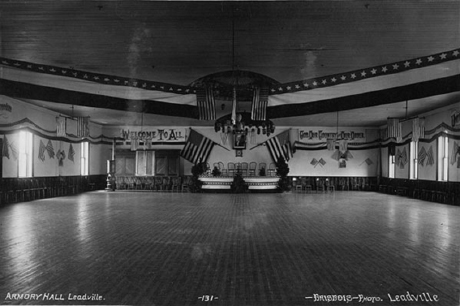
x=41, y=151
x=322, y=162
x=71, y=152
x=280, y=146
x=50, y=149
x=259, y=103
x=82, y=127
x=5, y=149
x=368, y=161
x=314, y=162
x=197, y=148
x=430, y=156
x=206, y=103
x=401, y=158
x=60, y=126
x=421, y=156
x=455, y=151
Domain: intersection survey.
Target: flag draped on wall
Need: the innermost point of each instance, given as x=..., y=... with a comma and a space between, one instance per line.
x=401, y=158
x=394, y=129
x=455, y=151
x=197, y=148
x=71, y=153
x=206, y=103
x=82, y=127
x=61, y=126
x=50, y=149
x=41, y=151
x=430, y=157
x=259, y=103
x=421, y=156
x=280, y=146
x=5, y=149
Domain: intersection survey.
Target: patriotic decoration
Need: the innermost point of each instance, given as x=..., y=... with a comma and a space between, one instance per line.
x=259, y=104
x=61, y=126
x=455, y=151
x=401, y=158
x=71, y=153
x=82, y=127
x=330, y=144
x=418, y=128
x=322, y=162
x=314, y=162
x=60, y=156
x=14, y=151
x=223, y=138
x=429, y=154
x=206, y=104
x=5, y=149
x=197, y=148
x=50, y=149
x=134, y=144
x=338, y=155
x=368, y=161
x=41, y=151
x=421, y=156
x=280, y=146
x=394, y=129
x=455, y=117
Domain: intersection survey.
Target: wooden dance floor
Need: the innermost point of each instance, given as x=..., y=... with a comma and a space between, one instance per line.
x=150, y=248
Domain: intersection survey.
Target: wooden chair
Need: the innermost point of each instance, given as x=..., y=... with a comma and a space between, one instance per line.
x=222, y=169
x=231, y=168
x=244, y=168
x=272, y=170
x=185, y=184
x=262, y=166
x=176, y=184
x=252, y=168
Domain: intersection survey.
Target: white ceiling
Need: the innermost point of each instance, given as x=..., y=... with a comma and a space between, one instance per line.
x=180, y=42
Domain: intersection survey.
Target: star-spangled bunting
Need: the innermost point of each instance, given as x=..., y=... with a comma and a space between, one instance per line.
x=421, y=156
x=367, y=73
x=430, y=157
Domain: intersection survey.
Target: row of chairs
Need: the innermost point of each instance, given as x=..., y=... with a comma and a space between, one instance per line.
x=153, y=183
x=13, y=190
x=246, y=169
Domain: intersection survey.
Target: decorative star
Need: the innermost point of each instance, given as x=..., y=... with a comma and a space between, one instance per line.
x=334, y=80
x=85, y=76
x=363, y=73
x=353, y=76
x=17, y=64
x=280, y=89
x=430, y=58
x=53, y=70
x=324, y=82
x=384, y=69
x=29, y=66
x=455, y=53
x=272, y=90
x=343, y=78
x=407, y=64
x=306, y=85
x=315, y=83
x=418, y=61
x=374, y=71
x=41, y=68
x=116, y=80
x=443, y=56
x=96, y=78
x=395, y=66
x=288, y=87
x=106, y=79
x=187, y=90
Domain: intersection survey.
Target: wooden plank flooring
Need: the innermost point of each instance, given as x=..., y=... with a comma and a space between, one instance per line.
x=249, y=249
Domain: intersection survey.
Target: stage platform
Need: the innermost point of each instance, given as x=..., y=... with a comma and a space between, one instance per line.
x=255, y=183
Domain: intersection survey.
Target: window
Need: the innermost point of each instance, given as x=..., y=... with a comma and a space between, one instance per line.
x=144, y=163
x=25, y=154
x=391, y=166
x=84, y=158
x=443, y=158
x=167, y=163
x=413, y=160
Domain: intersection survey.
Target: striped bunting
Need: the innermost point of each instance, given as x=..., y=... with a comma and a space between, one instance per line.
x=197, y=148
x=259, y=104
x=430, y=157
x=421, y=156
x=394, y=128
x=82, y=127
x=418, y=128
x=60, y=126
x=280, y=146
x=206, y=103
